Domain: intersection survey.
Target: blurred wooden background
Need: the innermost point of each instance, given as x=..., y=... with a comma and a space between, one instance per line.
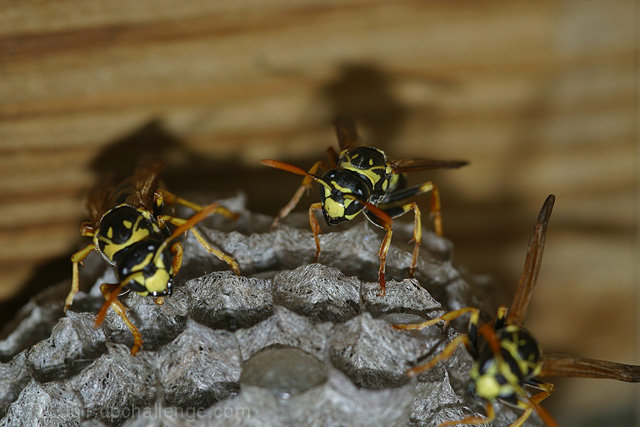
x=540, y=96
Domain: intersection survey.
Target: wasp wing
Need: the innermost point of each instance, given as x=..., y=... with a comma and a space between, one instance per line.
x=98, y=200
x=346, y=133
x=529, y=276
x=567, y=366
x=414, y=165
x=144, y=183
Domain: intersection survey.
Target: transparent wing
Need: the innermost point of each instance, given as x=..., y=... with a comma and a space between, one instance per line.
x=346, y=133
x=98, y=200
x=145, y=182
x=529, y=276
x=413, y=165
x=567, y=366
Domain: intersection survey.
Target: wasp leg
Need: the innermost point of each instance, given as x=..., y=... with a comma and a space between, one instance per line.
x=445, y=354
x=385, y=222
x=216, y=252
x=533, y=403
x=203, y=242
x=417, y=230
x=315, y=227
x=110, y=292
x=469, y=341
x=304, y=186
x=177, y=251
x=163, y=195
x=382, y=254
x=435, y=207
x=473, y=420
x=86, y=229
x=76, y=259
x=446, y=318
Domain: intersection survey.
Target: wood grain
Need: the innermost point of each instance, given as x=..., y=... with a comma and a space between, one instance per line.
x=540, y=96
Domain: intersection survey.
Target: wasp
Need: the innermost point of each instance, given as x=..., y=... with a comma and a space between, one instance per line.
x=507, y=359
x=362, y=179
x=131, y=232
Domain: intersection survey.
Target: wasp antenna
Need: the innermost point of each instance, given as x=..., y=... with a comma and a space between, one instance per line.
x=294, y=169
x=370, y=207
x=322, y=182
x=206, y=211
x=285, y=167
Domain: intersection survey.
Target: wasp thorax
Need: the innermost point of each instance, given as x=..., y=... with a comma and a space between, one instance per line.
x=146, y=268
x=340, y=190
x=363, y=157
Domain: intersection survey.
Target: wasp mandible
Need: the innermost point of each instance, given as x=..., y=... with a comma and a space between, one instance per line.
x=362, y=179
x=507, y=358
x=131, y=232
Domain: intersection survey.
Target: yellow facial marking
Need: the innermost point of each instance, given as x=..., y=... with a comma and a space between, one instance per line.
x=335, y=185
x=127, y=224
x=138, y=278
x=158, y=282
x=147, y=259
x=487, y=387
x=110, y=233
x=333, y=209
x=110, y=248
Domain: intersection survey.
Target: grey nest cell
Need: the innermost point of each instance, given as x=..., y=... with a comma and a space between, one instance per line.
x=287, y=342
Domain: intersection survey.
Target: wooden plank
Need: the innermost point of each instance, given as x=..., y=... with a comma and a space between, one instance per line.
x=540, y=96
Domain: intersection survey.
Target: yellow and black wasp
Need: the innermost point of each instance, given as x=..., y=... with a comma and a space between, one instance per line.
x=131, y=232
x=362, y=179
x=507, y=358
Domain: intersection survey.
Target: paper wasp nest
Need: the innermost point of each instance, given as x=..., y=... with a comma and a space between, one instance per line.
x=289, y=342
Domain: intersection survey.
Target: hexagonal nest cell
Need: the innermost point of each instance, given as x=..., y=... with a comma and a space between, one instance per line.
x=288, y=342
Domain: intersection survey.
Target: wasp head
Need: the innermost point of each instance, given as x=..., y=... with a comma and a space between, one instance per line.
x=340, y=190
x=146, y=268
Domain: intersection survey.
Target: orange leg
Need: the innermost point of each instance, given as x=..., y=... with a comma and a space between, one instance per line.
x=445, y=354
x=76, y=259
x=534, y=403
x=446, y=318
x=307, y=181
x=163, y=195
x=216, y=252
x=86, y=229
x=177, y=251
x=473, y=420
x=315, y=227
x=417, y=234
x=382, y=254
x=110, y=292
x=436, y=209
